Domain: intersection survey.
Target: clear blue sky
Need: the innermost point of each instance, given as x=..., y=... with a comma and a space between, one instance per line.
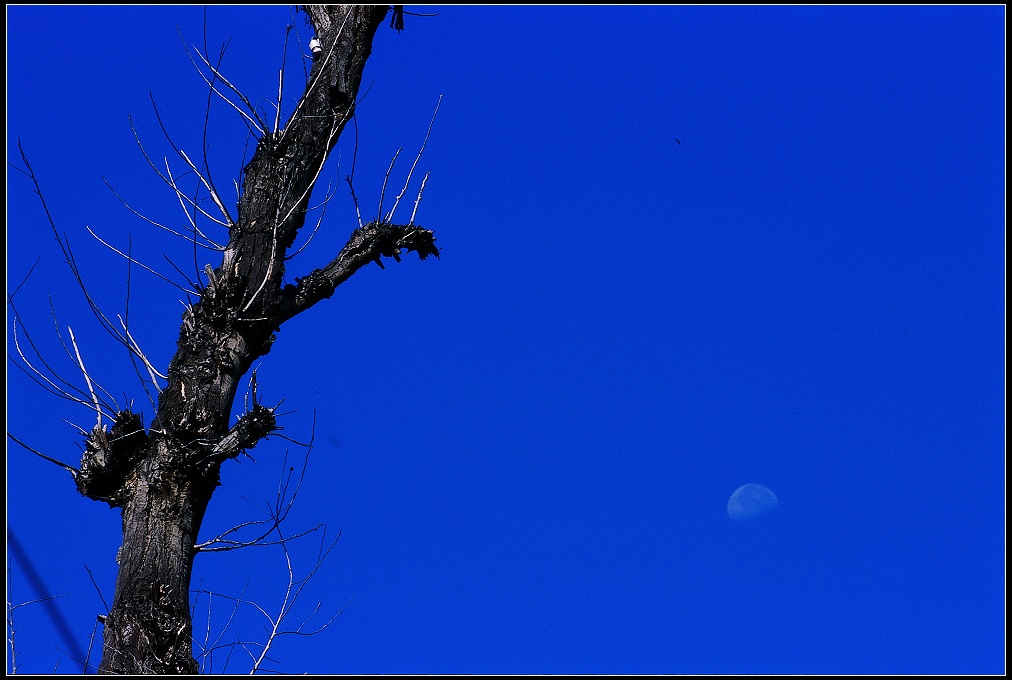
x=683, y=249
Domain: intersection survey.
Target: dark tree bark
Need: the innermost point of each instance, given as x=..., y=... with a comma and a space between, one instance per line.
x=163, y=478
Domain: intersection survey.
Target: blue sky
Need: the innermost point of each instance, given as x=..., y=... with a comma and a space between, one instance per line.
x=683, y=249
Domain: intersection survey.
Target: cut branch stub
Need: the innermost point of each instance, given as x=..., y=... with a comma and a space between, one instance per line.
x=376, y=239
x=109, y=457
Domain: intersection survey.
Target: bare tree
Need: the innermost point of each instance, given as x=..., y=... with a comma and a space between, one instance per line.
x=163, y=476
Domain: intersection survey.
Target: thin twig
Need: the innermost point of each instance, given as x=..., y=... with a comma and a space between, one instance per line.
x=210, y=190
x=46, y=383
x=255, y=120
x=69, y=468
x=180, y=271
x=281, y=80
x=42, y=380
x=298, y=37
x=351, y=178
x=140, y=354
x=383, y=189
x=323, y=211
x=97, y=589
x=172, y=184
x=275, y=516
x=87, y=378
x=110, y=405
x=91, y=643
x=419, y=199
x=182, y=154
x=10, y=626
x=126, y=326
x=68, y=253
x=24, y=280
x=207, y=116
x=289, y=602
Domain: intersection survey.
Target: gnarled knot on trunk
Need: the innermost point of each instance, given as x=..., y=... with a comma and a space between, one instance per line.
x=109, y=456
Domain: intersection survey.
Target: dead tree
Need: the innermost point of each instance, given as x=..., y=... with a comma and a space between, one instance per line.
x=163, y=476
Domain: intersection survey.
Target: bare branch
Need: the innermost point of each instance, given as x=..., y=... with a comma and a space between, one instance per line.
x=210, y=190
x=125, y=324
x=10, y=626
x=66, y=250
x=323, y=211
x=110, y=405
x=83, y=432
x=390, y=215
x=183, y=197
x=221, y=543
x=255, y=120
x=292, y=593
x=140, y=264
x=33, y=373
x=24, y=280
x=253, y=426
x=275, y=515
x=170, y=182
x=351, y=178
x=207, y=116
x=298, y=37
x=97, y=589
x=182, y=154
x=354, y=200
x=179, y=271
x=87, y=378
x=213, y=646
x=91, y=642
x=140, y=354
x=38, y=377
x=212, y=246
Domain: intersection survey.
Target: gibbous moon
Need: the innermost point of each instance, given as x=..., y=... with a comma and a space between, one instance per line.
x=751, y=501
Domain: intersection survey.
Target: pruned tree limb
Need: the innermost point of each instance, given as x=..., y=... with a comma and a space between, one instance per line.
x=368, y=244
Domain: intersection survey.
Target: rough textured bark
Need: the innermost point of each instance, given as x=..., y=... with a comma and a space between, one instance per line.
x=163, y=478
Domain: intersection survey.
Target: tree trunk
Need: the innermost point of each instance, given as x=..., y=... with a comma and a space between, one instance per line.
x=163, y=478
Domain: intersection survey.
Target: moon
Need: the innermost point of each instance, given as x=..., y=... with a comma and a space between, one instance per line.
x=750, y=501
